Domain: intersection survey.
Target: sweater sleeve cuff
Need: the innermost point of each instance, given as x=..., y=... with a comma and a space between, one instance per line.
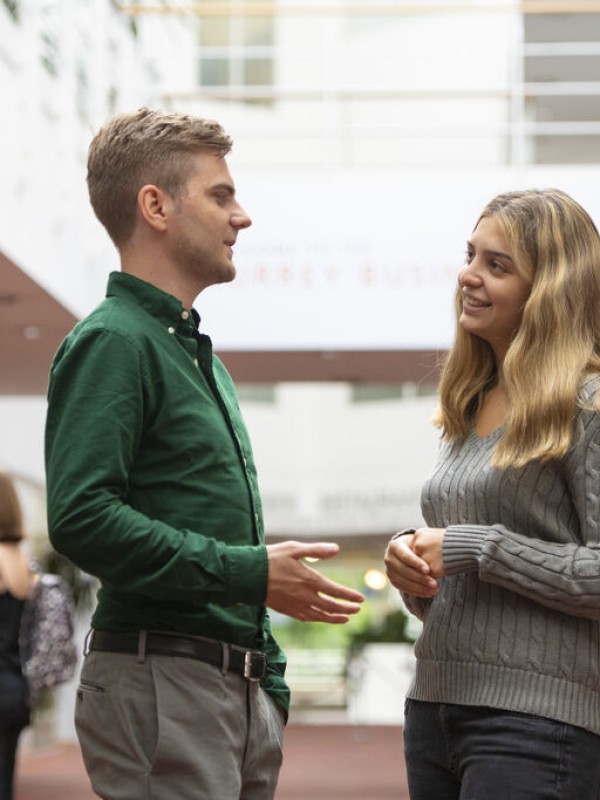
x=463, y=545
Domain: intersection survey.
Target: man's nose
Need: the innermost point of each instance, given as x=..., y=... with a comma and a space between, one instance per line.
x=240, y=219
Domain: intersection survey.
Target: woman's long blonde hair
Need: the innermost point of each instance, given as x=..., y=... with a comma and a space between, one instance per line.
x=11, y=517
x=555, y=244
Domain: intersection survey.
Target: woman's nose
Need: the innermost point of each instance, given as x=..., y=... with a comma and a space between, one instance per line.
x=469, y=275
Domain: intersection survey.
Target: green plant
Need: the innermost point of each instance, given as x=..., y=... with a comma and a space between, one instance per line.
x=392, y=629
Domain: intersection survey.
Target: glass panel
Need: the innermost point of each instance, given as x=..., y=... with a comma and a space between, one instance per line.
x=258, y=72
x=563, y=108
x=215, y=31
x=562, y=27
x=562, y=68
x=214, y=71
x=567, y=149
x=256, y=393
x=258, y=32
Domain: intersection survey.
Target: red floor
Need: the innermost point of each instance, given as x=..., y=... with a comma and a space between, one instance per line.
x=321, y=762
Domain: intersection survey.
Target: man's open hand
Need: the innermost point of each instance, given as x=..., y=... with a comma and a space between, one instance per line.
x=301, y=592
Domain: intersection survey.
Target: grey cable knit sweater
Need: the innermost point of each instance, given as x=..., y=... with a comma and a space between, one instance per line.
x=516, y=624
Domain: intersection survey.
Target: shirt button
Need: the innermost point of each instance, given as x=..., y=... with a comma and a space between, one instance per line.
x=195, y=362
x=185, y=314
x=171, y=329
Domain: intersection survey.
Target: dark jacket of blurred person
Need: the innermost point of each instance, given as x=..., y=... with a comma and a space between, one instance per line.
x=15, y=583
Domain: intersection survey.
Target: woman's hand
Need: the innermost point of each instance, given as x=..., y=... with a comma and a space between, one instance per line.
x=406, y=570
x=428, y=543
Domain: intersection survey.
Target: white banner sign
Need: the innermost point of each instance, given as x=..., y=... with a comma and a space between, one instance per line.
x=358, y=260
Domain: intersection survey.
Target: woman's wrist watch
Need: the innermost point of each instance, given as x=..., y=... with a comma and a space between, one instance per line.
x=403, y=532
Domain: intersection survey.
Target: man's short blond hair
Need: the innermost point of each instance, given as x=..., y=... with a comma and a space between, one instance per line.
x=140, y=148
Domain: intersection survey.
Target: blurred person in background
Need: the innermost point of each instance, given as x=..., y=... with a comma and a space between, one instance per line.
x=15, y=586
x=152, y=487
x=506, y=577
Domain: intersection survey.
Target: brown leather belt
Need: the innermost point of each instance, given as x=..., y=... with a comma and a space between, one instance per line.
x=250, y=664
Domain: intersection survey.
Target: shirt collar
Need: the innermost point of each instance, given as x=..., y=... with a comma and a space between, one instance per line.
x=159, y=304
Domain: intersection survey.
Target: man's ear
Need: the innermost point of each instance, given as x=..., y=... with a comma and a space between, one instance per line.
x=154, y=205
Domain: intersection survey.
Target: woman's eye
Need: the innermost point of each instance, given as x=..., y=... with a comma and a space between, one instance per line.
x=496, y=266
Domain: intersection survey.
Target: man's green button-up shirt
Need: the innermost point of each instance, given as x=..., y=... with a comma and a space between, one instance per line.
x=151, y=480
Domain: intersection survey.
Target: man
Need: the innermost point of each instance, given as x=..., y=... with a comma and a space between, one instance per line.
x=152, y=488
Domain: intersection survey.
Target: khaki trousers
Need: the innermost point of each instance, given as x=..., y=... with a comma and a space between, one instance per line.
x=175, y=729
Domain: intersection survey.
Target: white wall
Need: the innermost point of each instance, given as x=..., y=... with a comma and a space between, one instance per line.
x=330, y=465
x=101, y=68
x=326, y=464
x=382, y=90
x=21, y=436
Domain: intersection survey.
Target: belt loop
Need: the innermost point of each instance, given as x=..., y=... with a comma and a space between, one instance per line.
x=141, y=653
x=86, y=642
x=224, y=657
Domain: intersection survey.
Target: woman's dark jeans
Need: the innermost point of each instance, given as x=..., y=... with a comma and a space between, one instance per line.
x=456, y=752
x=14, y=716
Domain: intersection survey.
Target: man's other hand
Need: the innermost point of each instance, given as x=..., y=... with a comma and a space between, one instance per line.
x=301, y=592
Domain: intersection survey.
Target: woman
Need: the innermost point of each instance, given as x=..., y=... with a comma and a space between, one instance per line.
x=15, y=583
x=506, y=578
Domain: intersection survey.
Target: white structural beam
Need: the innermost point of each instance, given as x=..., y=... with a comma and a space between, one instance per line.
x=209, y=9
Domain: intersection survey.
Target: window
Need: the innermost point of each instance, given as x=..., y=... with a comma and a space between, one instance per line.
x=237, y=55
x=374, y=392
x=561, y=74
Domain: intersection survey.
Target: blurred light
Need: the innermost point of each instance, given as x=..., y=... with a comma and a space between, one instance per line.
x=31, y=332
x=375, y=579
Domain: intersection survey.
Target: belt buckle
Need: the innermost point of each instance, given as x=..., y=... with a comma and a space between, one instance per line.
x=255, y=664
